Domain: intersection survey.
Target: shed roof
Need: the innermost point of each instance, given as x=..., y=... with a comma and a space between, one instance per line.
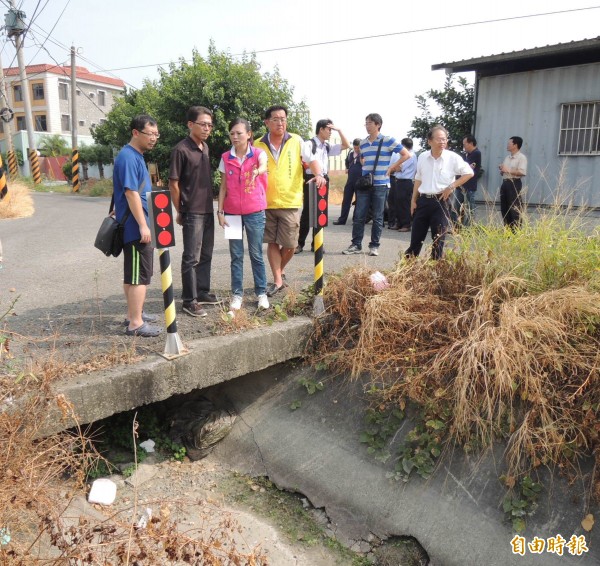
x=548, y=57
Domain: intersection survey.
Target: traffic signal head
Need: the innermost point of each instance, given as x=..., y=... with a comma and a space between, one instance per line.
x=162, y=223
x=318, y=199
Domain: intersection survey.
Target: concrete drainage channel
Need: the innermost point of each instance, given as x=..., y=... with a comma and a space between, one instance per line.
x=309, y=444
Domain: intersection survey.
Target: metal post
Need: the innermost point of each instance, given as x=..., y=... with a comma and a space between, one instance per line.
x=74, y=125
x=174, y=346
x=10, y=153
x=318, y=233
x=33, y=156
x=3, y=187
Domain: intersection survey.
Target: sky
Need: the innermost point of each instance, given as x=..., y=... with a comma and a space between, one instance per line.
x=343, y=81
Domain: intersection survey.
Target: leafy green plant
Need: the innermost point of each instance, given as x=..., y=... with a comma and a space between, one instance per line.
x=522, y=502
x=380, y=427
x=296, y=404
x=311, y=385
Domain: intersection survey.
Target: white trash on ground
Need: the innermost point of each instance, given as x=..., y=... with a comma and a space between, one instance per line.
x=148, y=445
x=379, y=281
x=103, y=491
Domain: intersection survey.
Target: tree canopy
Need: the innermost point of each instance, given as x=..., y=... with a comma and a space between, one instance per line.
x=229, y=87
x=456, y=113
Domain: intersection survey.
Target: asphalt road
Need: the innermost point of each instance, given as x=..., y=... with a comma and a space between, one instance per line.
x=50, y=260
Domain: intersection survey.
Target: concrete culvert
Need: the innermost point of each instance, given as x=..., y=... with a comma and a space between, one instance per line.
x=400, y=551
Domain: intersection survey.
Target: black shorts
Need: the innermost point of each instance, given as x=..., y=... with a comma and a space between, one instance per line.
x=138, y=263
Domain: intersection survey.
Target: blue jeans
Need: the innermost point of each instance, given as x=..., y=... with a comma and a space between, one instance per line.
x=374, y=198
x=254, y=225
x=196, y=259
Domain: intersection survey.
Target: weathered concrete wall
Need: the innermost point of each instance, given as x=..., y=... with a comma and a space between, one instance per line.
x=210, y=361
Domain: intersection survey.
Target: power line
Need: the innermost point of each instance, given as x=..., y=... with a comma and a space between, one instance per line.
x=378, y=36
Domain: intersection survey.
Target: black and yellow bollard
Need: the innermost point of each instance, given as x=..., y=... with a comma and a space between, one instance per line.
x=75, y=170
x=13, y=166
x=318, y=212
x=34, y=164
x=3, y=185
x=162, y=226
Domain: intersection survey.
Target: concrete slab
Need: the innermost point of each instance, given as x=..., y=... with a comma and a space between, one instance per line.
x=457, y=515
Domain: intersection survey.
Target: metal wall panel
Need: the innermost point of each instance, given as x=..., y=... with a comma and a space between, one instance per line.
x=529, y=105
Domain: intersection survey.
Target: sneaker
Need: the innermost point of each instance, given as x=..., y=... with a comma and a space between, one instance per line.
x=194, y=309
x=263, y=302
x=373, y=251
x=206, y=298
x=352, y=250
x=236, y=303
x=298, y=250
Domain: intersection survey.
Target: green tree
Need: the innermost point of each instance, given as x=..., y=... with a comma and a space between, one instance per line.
x=456, y=112
x=54, y=146
x=97, y=154
x=229, y=87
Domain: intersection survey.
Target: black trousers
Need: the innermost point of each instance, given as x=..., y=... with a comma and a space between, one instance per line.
x=304, y=217
x=404, y=191
x=511, y=203
x=431, y=213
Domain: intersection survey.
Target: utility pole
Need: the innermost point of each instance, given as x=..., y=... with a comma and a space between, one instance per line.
x=75, y=157
x=17, y=32
x=10, y=154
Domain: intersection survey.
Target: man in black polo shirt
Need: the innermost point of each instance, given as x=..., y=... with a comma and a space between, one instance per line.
x=191, y=189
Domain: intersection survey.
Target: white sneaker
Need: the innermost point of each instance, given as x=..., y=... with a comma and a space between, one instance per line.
x=373, y=251
x=236, y=303
x=263, y=302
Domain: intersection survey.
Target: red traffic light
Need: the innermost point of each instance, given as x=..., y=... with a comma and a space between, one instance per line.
x=162, y=223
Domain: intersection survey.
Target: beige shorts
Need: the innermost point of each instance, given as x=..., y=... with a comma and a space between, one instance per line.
x=282, y=227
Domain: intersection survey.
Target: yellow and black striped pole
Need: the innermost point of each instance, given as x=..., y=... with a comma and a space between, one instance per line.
x=34, y=163
x=318, y=216
x=174, y=346
x=75, y=170
x=13, y=166
x=3, y=186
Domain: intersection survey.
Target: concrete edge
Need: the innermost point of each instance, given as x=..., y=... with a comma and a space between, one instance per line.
x=213, y=360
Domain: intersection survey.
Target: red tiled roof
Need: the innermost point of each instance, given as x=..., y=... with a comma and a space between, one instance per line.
x=82, y=73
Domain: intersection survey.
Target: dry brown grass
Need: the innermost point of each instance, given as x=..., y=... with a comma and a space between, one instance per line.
x=502, y=361
x=18, y=202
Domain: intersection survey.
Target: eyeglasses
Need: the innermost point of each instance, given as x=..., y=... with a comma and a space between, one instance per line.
x=206, y=125
x=440, y=140
x=150, y=134
x=278, y=120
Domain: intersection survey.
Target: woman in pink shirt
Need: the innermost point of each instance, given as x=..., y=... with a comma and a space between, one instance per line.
x=243, y=193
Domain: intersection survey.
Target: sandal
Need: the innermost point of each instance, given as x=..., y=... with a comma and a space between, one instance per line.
x=146, y=331
x=145, y=318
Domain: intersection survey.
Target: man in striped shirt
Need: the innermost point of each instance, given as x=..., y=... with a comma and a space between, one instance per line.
x=376, y=195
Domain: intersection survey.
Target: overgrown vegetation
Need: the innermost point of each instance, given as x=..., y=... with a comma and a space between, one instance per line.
x=498, y=341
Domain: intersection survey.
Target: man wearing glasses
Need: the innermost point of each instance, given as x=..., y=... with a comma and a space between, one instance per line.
x=439, y=173
x=190, y=183
x=131, y=181
x=284, y=193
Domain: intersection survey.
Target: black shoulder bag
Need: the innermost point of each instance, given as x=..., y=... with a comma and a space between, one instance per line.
x=109, y=239
x=367, y=181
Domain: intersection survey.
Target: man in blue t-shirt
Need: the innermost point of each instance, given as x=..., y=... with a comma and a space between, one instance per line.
x=375, y=196
x=131, y=182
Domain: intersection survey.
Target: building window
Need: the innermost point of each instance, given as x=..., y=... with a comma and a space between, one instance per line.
x=21, y=123
x=65, y=123
x=579, y=129
x=40, y=123
x=82, y=122
x=78, y=92
x=38, y=91
x=101, y=98
x=18, y=92
x=63, y=91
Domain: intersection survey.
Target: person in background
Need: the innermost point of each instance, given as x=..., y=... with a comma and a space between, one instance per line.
x=354, y=171
x=464, y=198
x=403, y=179
x=315, y=156
x=243, y=192
x=512, y=169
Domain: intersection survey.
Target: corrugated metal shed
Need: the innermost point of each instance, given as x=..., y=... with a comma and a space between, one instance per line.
x=520, y=94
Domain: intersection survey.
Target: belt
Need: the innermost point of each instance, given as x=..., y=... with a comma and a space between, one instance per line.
x=437, y=196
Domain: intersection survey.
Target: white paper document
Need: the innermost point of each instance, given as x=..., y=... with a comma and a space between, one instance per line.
x=234, y=230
